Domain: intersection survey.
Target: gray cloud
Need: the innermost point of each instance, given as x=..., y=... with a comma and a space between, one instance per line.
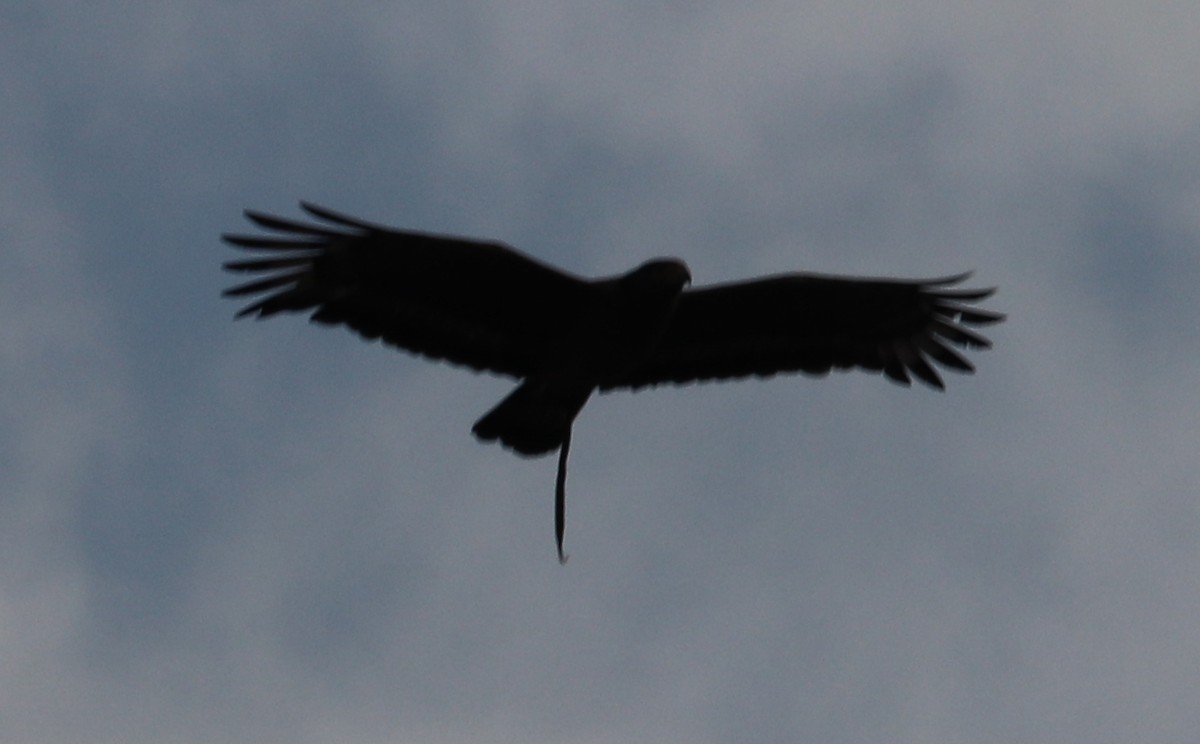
x=269, y=532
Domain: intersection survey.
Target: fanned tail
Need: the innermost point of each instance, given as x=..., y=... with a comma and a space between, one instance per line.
x=535, y=419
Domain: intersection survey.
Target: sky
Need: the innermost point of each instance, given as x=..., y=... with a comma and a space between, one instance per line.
x=219, y=531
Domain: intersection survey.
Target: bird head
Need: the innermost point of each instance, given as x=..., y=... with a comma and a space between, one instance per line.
x=661, y=273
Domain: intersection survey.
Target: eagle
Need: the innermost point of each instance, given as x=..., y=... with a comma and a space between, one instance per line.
x=484, y=305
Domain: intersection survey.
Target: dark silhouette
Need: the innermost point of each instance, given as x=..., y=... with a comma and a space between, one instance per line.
x=487, y=306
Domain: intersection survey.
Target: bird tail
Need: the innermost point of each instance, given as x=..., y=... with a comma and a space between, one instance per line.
x=535, y=419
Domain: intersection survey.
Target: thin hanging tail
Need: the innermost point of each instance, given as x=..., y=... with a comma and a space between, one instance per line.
x=535, y=419
x=560, y=498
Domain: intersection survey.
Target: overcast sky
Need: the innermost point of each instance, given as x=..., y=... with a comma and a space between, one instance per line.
x=273, y=532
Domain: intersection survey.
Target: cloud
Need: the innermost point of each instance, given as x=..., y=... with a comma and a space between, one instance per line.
x=220, y=532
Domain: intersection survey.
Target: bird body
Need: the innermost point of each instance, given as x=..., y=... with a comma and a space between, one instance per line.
x=484, y=305
x=600, y=347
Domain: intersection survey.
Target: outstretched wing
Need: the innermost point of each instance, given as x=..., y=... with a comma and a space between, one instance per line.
x=480, y=304
x=813, y=324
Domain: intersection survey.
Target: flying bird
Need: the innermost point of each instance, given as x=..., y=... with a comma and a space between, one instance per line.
x=485, y=305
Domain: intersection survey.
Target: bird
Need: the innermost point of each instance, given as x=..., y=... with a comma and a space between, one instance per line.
x=485, y=305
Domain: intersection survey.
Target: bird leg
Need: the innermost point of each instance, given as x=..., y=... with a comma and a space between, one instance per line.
x=560, y=496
